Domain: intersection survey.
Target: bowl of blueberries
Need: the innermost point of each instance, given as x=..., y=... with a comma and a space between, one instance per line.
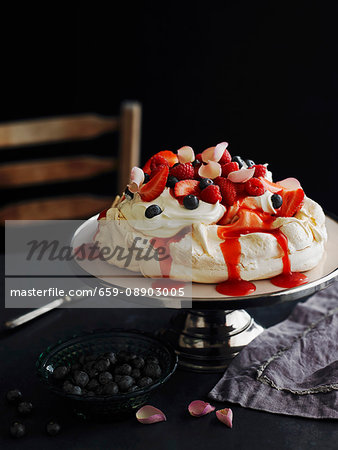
x=107, y=373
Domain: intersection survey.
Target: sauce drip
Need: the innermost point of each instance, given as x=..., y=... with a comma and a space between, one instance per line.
x=165, y=259
x=252, y=222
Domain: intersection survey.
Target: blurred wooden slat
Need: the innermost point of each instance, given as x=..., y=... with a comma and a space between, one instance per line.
x=72, y=207
x=31, y=172
x=131, y=116
x=55, y=129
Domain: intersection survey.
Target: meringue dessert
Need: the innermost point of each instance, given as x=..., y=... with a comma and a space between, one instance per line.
x=235, y=224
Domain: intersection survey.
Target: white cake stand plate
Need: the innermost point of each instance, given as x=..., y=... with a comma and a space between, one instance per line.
x=210, y=328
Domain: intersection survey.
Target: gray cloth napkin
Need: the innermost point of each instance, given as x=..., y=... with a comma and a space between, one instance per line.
x=292, y=367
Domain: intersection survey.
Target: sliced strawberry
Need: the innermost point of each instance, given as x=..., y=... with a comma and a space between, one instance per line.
x=169, y=156
x=186, y=187
x=293, y=200
x=155, y=185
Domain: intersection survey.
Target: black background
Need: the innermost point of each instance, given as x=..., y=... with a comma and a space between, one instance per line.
x=260, y=75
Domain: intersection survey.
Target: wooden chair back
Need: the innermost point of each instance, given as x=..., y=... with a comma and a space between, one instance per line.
x=56, y=170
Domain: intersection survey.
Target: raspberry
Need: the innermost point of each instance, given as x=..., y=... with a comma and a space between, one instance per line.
x=229, y=167
x=196, y=174
x=183, y=171
x=211, y=194
x=260, y=170
x=228, y=190
x=226, y=158
x=254, y=187
x=198, y=157
x=157, y=160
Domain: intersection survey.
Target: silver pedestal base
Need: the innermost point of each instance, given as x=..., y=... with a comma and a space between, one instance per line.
x=207, y=341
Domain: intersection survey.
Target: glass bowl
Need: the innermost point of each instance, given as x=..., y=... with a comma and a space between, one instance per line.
x=64, y=352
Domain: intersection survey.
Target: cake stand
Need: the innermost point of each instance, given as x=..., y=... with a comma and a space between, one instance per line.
x=209, y=329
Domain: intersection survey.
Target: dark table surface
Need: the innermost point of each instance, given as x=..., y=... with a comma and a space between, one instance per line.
x=251, y=429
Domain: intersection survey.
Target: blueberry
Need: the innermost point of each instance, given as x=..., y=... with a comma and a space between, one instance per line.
x=136, y=373
x=133, y=388
x=238, y=160
x=69, y=388
x=152, y=211
x=93, y=384
x=249, y=163
x=196, y=162
x=152, y=370
x=176, y=164
x=92, y=373
x=152, y=359
x=90, y=358
x=53, y=428
x=190, y=201
x=118, y=378
x=171, y=181
x=25, y=408
x=146, y=178
x=17, y=429
x=105, y=377
x=125, y=383
x=102, y=364
x=205, y=182
x=125, y=369
x=81, y=378
x=112, y=357
x=110, y=389
x=128, y=194
x=276, y=200
x=138, y=362
x=124, y=356
x=99, y=390
x=144, y=381
x=13, y=395
x=60, y=372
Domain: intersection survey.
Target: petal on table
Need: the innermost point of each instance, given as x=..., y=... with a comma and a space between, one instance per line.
x=149, y=414
x=225, y=416
x=198, y=408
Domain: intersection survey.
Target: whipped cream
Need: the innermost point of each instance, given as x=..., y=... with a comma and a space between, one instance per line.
x=174, y=217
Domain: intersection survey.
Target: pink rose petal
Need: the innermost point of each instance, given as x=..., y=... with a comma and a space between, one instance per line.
x=149, y=414
x=241, y=176
x=198, y=408
x=210, y=170
x=290, y=183
x=185, y=154
x=272, y=187
x=219, y=150
x=225, y=416
x=136, y=179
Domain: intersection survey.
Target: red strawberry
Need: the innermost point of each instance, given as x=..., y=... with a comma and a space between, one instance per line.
x=169, y=156
x=156, y=169
x=218, y=180
x=183, y=171
x=186, y=187
x=155, y=185
x=226, y=158
x=254, y=187
x=260, y=170
x=292, y=202
x=228, y=191
x=196, y=169
x=211, y=194
x=157, y=160
x=229, y=167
